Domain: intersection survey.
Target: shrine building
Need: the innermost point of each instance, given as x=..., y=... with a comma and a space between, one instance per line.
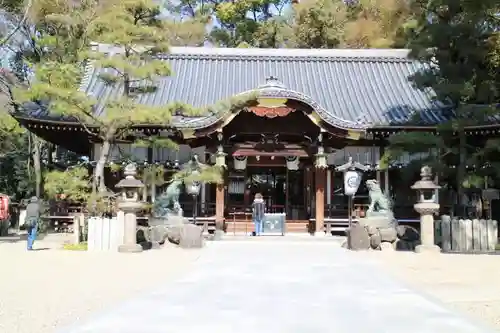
x=315, y=108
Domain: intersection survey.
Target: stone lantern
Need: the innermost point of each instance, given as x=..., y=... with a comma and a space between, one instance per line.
x=426, y=206
x=129, y=203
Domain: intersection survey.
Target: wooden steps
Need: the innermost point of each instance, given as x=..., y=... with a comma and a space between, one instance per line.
x=241, y=226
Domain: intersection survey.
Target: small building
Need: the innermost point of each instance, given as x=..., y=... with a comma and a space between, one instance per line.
x=339, y=102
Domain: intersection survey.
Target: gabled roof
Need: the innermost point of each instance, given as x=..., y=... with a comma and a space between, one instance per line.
x=347, y=88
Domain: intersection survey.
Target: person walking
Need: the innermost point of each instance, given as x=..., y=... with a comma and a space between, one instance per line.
x=31, y=221
x=258, y=211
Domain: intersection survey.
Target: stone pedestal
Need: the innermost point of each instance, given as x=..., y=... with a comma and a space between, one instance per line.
x=218, y=235
x=78, y=222
x=130, y=209
x=426, y=211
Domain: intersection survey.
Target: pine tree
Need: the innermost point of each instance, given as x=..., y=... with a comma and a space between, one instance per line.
x=134, y=35
x=454, y=40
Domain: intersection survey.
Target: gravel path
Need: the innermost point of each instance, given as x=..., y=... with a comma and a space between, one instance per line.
x=467, y=283
x=43, y=290
x=280, y=287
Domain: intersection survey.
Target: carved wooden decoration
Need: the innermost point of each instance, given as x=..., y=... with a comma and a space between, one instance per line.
x=263, y=111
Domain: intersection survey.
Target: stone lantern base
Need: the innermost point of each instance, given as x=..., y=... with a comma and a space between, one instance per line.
x=426, y=211
x=129, y=209
x=427, y=249
x=130, y=248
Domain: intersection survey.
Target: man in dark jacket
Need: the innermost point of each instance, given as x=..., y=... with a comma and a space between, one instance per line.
x=258, y=211
x=31, y=221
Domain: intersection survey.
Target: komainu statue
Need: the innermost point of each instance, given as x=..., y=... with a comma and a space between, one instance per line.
x=168, y=201
x=168, y=221
x=380, y=205
x=379, y=230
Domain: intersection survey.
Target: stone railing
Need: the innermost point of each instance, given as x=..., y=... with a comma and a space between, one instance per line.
x=466, y=235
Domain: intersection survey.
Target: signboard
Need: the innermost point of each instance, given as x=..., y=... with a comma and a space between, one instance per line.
x=273, y=224
x=352, y=180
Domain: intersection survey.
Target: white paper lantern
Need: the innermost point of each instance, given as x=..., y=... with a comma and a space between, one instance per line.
x=352, y=180
x=292, y=163
x=240, y=162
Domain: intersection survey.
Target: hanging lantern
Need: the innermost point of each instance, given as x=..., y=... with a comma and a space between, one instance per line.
x=240, y=162
x=220, y=157
x=321, y=159
x=352, y=180
x=292, y=163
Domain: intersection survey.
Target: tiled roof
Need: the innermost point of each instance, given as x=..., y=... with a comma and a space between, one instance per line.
x=347, y=88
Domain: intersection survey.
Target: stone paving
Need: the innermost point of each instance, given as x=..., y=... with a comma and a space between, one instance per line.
x=280, y=287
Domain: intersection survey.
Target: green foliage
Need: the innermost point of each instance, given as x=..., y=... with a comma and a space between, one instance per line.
x=186, y=32
x=304, y=24
x=12, y=6
x=212, y=174
x=456, y=41
x=156, y=142
x=256, y=23
x=454, y=38
x=153, y=174
x=16, y=168
x=76, y=247
x=379, y=23
x=320, y=23
x=73, y=183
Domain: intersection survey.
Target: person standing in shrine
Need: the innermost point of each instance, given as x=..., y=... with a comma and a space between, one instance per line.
x=32, y=220
x=258, y=211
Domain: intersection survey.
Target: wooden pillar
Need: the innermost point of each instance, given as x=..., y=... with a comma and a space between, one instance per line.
x=320, y=200
x=219, y=206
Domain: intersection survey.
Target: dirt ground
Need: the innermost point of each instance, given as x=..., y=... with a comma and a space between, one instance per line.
x=50, y=288
x=467, y=283
x=43, y=290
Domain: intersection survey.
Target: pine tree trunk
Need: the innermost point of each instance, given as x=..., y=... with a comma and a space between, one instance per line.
x=37, y=165
x=98, y=181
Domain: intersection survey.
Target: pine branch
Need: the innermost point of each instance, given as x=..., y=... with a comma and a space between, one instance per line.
x=11, y=34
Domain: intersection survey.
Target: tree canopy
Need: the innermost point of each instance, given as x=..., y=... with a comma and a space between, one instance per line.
x=304, y=24
x=457, y=41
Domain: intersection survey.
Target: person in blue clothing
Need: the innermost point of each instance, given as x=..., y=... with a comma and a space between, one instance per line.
x=31, y=221
x=258, y=211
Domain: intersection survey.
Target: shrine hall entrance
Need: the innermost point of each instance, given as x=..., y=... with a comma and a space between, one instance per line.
x=271, y=183
x=283, y=190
